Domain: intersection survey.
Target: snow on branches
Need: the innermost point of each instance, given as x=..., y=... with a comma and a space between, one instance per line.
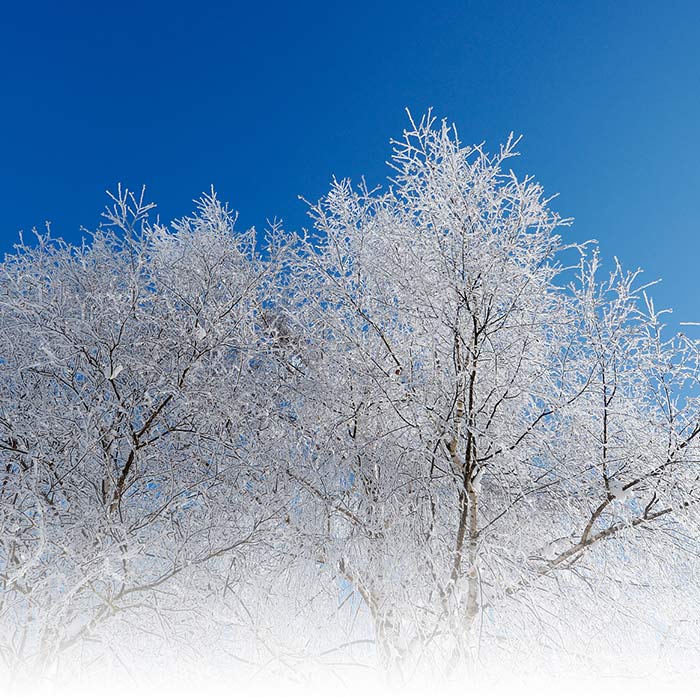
x=420, y=418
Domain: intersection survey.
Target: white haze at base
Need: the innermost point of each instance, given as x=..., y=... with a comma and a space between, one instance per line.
x=307, y=447
x=544, y=688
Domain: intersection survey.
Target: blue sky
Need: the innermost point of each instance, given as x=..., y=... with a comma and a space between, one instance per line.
x=269, y=100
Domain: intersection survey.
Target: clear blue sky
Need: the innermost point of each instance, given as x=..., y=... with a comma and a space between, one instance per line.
x=269, y=100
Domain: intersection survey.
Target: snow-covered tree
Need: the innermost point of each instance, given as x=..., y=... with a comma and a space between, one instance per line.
x=137, y=380
x=430, y=435
x=484, y=423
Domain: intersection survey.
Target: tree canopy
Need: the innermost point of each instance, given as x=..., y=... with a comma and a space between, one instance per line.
x=428, y=434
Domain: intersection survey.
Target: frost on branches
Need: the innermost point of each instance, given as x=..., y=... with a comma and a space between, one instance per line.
x=428, y=437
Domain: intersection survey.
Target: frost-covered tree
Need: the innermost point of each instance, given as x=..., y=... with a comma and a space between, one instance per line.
x=491, y=434
x=432, y=435
x=137, y=380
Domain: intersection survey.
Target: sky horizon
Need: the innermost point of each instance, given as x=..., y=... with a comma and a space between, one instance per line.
x=269, y=102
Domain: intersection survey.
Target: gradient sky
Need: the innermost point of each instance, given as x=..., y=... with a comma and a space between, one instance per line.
x=269, y=100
